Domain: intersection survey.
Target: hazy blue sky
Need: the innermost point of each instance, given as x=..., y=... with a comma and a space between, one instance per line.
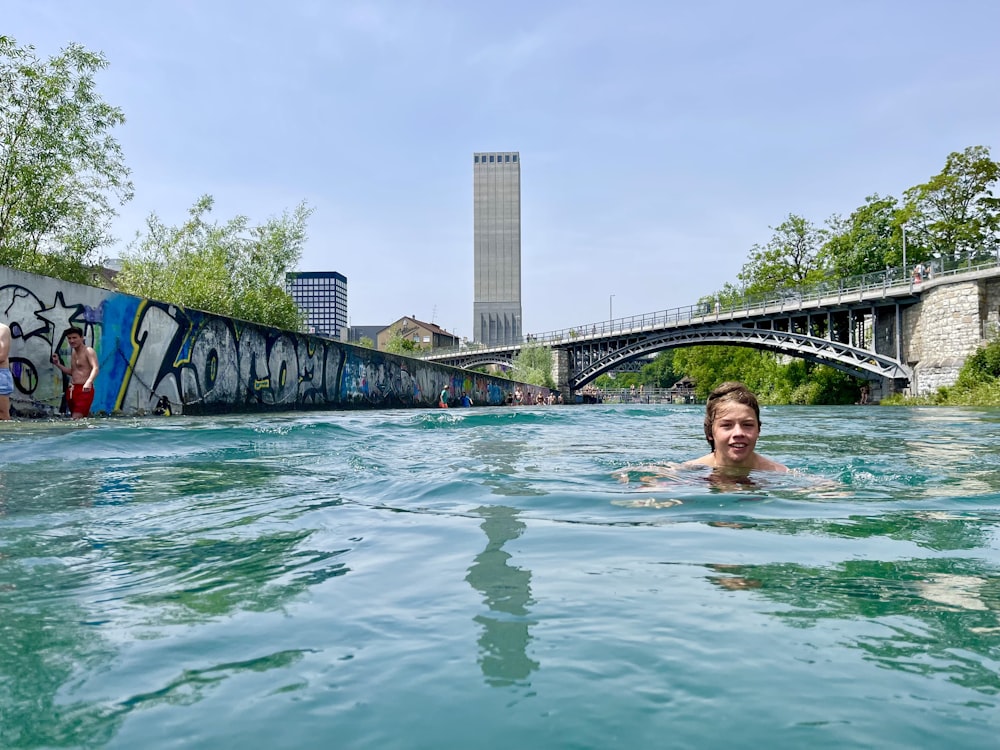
x=659, y=140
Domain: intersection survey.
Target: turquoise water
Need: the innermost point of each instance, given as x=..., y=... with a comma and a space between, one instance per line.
x=485, y=579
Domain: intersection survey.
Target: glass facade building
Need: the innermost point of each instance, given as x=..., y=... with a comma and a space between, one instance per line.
x=322, y=296
x=496, y=192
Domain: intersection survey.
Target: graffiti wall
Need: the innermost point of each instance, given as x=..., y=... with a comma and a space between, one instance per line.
x=201, y=363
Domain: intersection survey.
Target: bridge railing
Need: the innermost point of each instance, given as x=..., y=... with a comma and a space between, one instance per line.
x=648, y=395
x=892, y=278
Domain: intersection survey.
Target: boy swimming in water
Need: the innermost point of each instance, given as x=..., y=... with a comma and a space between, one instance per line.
x=732, y=426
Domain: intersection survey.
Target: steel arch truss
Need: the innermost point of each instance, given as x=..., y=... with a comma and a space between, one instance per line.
x=588, y=361
x=468, y=361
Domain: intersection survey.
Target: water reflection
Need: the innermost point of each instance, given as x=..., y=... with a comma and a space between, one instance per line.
x=68, y=591
x=503, y=644
x=935, y=530
x=47, y=490
x=498, y=458
x=46, y=640
x=185, y=581
x=941, y=617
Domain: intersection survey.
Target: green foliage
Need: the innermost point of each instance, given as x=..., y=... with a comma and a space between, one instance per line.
x=981, y=368
x=836, y=387
x=774, y=381
x=867, y=241
x=955, y=212
x=709, y=366
x=533, y=365
x=232, y=269
x=660, y=373
x=791, y=258
x=366, y=342
x=60, y=168
x=620, y=380
x=605, y=381
x=400, y=344
x=978, y=383
x=730, y=296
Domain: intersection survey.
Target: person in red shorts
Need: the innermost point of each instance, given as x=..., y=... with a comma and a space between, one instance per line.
x=82, y=370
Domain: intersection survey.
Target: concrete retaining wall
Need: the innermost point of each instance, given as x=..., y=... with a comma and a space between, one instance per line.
x=206, y=363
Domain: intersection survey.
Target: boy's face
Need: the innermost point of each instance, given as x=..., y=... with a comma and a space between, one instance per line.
x=735, y=431
x=74, y=340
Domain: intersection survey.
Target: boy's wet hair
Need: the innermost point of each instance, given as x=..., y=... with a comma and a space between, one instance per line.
x=730, y=392
x=73, y=329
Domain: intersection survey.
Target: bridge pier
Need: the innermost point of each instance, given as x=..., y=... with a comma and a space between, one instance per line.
x=560, y=373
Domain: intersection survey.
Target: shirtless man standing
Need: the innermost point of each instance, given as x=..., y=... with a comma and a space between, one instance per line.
x=82, y=370
x=6, y=379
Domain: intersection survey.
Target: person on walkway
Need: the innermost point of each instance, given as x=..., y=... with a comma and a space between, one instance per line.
x=443, y=398
x=6, y=379
x=732, y=426
x=82, y=371
x=466, y=400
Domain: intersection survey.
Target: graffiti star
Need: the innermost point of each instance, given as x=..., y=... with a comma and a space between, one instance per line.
x=60, y=316
x=19, y=306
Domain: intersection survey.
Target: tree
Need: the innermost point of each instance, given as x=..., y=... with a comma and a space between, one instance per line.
x=955, y=212
x=232, y=269
x=61, y=170
x=790, y=258
x=660, y=372
x=533, y=364
x=397, y=343
x=366, y=342
x=708, y=366
x=867, y=241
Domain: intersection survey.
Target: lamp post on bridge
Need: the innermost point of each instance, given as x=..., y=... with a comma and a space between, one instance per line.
x=611, y=313
x=904, y=252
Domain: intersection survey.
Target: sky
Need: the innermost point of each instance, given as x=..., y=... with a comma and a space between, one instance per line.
x=659, y=141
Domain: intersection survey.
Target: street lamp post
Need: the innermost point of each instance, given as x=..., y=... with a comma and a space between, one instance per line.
x=904, y=251
x=611, y=313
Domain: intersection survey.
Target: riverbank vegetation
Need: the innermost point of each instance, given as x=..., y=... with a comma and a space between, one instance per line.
x=229, y=268
x=62, y=175
x=774, y=381
x=978, y=383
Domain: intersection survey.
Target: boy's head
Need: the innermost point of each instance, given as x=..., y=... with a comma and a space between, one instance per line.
x=728, y=393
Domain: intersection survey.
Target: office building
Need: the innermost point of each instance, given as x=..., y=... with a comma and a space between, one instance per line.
x=496, y=195
x=322, y=296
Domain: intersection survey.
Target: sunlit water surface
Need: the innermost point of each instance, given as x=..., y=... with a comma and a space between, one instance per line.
x=499, y=578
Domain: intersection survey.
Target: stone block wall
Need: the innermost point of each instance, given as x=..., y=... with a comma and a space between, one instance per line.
x=946, y=327
x=205, y=363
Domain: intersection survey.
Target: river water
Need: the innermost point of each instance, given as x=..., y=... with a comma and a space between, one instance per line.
x=500, y=578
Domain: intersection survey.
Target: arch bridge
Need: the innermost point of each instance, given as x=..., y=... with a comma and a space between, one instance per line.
x=854, y=325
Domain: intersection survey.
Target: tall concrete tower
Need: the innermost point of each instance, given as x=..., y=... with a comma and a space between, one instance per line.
x=496, y=191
